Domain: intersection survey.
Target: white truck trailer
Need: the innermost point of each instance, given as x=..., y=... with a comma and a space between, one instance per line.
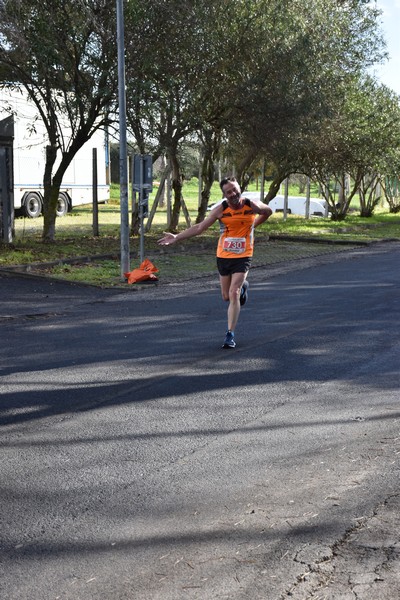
x=29, y=151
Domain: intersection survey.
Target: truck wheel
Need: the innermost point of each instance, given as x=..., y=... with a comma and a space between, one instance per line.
x=32, y=206
x=62, y=205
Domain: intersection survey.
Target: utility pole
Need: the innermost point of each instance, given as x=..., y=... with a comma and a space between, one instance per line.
x=123, y=153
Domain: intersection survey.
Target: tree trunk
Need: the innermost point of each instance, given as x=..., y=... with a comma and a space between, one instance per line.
x=211, y=148
x=207, y=174
x=368, y=196
x=244, y=171
x=50, y=196
x=390, y=186
x=177, y=183
x=135, y=221
x=163, y=166
x=338, y=210
x=275, y=186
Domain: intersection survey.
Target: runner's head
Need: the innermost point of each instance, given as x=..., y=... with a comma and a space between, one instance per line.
x=231, y=190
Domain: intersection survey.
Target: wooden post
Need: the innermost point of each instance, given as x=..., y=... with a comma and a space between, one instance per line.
x=95, y=195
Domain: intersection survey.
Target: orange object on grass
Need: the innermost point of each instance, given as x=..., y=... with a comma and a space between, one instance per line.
x=143, y=273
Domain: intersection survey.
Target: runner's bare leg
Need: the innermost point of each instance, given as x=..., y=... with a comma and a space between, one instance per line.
x=230, y=289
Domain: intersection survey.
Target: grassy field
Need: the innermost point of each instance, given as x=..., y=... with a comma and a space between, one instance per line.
x=276, y=240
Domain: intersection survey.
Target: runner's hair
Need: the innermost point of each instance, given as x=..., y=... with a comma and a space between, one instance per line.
x=226, y=180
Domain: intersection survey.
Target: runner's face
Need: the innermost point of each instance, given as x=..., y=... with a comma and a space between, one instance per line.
x=232, y=192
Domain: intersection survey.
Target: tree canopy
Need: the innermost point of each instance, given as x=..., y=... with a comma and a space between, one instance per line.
x=279, y=80
x=62, y=53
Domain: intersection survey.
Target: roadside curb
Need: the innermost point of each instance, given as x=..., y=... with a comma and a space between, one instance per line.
x=320, y=240
x=35, y=270
x=60, y=261
x=27, y=267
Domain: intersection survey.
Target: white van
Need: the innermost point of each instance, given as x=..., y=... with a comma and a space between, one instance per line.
x=296, y=204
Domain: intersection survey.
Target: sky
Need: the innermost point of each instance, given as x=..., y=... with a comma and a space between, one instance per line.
x=389, y=73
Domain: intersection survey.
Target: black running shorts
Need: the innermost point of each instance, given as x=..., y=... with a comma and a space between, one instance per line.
x=228, y=266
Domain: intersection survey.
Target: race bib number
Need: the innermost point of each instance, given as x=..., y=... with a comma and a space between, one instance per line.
x=235, y=245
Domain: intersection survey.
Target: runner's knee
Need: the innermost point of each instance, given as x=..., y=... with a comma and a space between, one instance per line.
x=234, y=294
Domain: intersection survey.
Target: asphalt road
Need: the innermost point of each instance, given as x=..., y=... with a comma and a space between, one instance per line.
x=140, y=461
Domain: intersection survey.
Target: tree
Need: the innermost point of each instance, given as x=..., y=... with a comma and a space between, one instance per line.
x=308, y=56
x=391, y=190
x=359, y=140
x=63, y=54
x=265, y=77
x=185, y=69
x=160, y=79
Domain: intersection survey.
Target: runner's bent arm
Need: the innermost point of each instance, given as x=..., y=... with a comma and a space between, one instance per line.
x=263, y=210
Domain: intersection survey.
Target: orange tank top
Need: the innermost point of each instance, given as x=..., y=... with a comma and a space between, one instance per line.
x=236, y=238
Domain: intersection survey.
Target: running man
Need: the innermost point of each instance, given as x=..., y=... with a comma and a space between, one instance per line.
x=237, y=217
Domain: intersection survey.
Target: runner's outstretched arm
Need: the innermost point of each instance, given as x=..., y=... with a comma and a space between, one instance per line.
x=171, y=238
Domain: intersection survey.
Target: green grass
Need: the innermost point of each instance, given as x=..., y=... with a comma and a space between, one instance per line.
x=195, y=257
x=99, y=273
x=382, y=225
